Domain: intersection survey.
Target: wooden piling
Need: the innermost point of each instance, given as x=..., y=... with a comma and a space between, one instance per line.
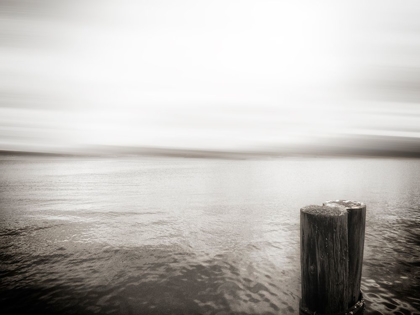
x=324, y=247
x=332, y=241
x=356, y=240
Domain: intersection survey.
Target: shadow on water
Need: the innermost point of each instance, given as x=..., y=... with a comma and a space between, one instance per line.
x=142, y=280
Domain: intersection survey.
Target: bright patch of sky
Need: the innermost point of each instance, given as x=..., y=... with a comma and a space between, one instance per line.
x=220, y=75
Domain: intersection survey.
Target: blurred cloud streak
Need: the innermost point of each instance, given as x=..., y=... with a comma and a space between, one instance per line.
x=219, y=75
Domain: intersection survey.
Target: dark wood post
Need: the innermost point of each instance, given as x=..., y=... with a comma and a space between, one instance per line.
x=332, y=242
x=356, y=240
x=324, y=265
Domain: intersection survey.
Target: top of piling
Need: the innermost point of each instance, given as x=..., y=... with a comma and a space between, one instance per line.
x=327, y=211
x=349, y=204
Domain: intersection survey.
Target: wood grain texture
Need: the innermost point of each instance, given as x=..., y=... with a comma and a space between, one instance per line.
x=356, y=240
x=324, y=258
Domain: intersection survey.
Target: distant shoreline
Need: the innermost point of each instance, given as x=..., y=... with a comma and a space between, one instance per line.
x=203, y=154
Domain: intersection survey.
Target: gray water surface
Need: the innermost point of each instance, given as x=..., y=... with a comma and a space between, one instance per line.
x=194, y=236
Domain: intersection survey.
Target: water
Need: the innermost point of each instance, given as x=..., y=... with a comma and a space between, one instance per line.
x=194, y=236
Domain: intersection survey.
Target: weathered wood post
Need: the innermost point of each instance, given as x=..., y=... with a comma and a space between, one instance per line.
x=326, y=247
x=356, y=239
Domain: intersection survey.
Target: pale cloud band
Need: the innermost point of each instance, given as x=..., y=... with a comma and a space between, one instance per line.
x=206, y=74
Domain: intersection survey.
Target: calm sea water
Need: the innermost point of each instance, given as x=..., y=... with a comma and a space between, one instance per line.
x=194, y=236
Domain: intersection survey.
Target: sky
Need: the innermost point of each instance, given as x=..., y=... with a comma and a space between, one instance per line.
x=213, y=75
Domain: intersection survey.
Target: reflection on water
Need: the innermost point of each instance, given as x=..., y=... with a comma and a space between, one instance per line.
x=194, y=236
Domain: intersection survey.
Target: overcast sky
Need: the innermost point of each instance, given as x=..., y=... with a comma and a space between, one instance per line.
x=206, y=74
